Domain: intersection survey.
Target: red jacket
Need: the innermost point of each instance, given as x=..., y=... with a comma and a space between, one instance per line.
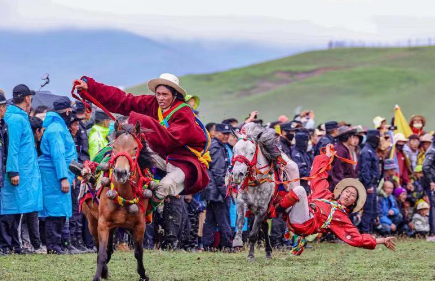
x=167, y=143
x=340, y=225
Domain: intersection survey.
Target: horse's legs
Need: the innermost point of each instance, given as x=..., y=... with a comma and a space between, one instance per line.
x=138, y=233
x=105, y=272
x=265, y=229
x=103, y=237
x=253, y=235
x=238, y=242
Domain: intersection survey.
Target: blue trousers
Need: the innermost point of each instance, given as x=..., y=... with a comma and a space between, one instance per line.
x=218, y=216
x=369, y=215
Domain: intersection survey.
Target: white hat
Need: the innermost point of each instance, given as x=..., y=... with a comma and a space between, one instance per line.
x=168, y=80
x=422, y=205
x=426, y=138
x=377, y=121
x=362, y=194
x=399, y=137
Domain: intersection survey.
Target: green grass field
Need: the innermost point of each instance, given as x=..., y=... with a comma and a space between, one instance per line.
x=342, y=84
x=414, y=260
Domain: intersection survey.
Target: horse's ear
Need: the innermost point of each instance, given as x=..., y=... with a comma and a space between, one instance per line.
x=137, y=128
x=116, y=126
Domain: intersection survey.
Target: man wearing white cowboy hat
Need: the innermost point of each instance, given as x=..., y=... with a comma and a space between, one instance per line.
x=323, y=211
x=176, y=136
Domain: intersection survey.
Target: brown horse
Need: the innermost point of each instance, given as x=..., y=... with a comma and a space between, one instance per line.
x=104, y=218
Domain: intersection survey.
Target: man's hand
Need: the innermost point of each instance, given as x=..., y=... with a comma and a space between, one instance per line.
x=393, y=227
x=328, y=150
x=82, y=85
x=64, y=185
x=389, y=243
x=15, y=181
x=432, y=186
x=391, y=212
x=252, y=116
x=371, y=190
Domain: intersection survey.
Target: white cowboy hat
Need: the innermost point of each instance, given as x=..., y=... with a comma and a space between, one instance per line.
x=362, y=194
x=168, y=80
x=400, y=137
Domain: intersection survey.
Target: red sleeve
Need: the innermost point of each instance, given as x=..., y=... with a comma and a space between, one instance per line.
x=347, y=232
x=117, y=101
x=320, y=185
x=182, y=126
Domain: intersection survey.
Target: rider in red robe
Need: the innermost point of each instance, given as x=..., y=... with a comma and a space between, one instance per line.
x=186, y=174
x=323, y=211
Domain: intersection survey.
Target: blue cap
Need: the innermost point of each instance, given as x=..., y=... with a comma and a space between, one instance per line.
x=61, y=103
x=374, y=133
x=331, y=125
x=223, y=128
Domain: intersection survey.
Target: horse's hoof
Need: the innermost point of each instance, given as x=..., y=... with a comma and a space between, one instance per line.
x=111, y=194
x=237, y=242
x=147, y=193
x=268, y=256
x=144, y=279
x=133, y=209
x=105, y=181
x=105, y=273
x=251, y=259
x=104, y=166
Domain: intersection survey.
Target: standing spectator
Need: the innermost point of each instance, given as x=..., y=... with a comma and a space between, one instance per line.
x=22, y=192
x=211, y=128
x=369, y=175
x=411, y=150
x=340, y=169
x=98, y=135
x=426, y=142
x=38, y=131
x=429, y=186
x=404, y=165
x=302, y=157
x=331, y=129
x=58, y=150
x=286, y=138
x=417, y=124
x=389, y=215
x=218, y=213
x=3, y=157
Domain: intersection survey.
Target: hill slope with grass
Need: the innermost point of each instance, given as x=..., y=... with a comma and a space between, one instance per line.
x=339, y=84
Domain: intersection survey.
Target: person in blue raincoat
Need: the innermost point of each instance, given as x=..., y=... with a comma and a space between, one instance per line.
x=58, y=150
x=22, y=192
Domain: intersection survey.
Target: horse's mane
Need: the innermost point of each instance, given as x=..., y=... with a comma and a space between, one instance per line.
x=266, y=139
x=146, y=156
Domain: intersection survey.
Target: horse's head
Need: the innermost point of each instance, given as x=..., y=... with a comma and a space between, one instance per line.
x=125, y=151
x=244, y=157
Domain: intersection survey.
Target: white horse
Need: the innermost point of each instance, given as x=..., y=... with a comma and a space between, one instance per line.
x=254, y=173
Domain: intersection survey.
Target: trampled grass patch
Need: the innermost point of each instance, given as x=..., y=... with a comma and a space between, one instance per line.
x=413, y=260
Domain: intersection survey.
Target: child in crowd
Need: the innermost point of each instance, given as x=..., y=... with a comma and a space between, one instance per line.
x=389, y=214
x=405, y=227
x=418, y=192
x=421, y=219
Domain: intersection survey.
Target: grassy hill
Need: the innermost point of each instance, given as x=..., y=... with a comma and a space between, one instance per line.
x=340, y=84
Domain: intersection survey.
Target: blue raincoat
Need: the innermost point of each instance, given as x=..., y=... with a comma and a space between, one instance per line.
x=58, y=150
x=22, y=159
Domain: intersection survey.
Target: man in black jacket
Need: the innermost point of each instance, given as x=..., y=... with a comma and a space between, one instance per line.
x=218, y=207
x=287, y=135
x=369, y=175
x=429, y=185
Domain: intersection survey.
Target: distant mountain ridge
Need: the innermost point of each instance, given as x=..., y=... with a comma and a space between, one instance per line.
x=115, y=57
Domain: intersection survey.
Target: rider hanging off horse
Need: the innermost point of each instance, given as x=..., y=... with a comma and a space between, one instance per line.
x=176, y=136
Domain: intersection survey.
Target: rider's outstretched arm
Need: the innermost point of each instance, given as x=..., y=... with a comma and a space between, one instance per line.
x=117, y=101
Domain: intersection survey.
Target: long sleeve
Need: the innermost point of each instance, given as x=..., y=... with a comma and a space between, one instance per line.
x=429, y=164
x=117, y=101
x=57, y=154
x=347, y=232
x=15, y=129
x=218, y=169
x=365, y=169
x=320, y=185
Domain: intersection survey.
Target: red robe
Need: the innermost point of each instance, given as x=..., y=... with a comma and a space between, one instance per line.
x=340, y=225
x=167, y=143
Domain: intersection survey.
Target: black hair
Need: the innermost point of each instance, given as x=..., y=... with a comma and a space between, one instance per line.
x=230, y=120
x=344, y=138
x=35, y=123
x=356, y=200
x=18, y=100
x=209, y=126
x=41, y=109
x=330, y=131
x=174, y=92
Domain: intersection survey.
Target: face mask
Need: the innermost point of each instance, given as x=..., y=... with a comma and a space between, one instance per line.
x=364, y=139
x=310, y=147
x=399, y=147
x=418, y=125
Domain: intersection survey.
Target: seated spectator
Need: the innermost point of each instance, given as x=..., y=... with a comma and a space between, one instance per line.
x=389, y=214
x=417, y=191
x=421, y=219
x=406, y=227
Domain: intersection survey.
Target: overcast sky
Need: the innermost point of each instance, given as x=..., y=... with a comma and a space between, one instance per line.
x=271, y=21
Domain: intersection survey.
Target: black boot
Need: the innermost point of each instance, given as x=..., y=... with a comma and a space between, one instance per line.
x=70, y=249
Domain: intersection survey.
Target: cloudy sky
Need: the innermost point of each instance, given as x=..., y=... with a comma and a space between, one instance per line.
x=268, y=22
